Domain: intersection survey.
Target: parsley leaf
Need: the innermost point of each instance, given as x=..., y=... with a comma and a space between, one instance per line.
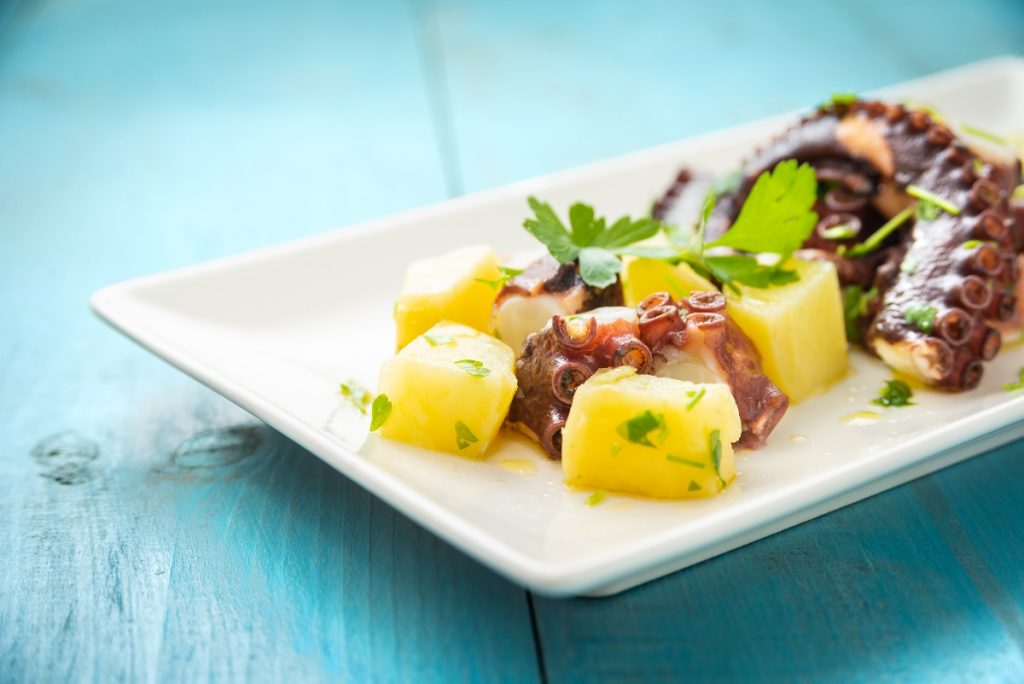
x=839, y=99
x=591, y=241
x=922, y=318
x=638, y=428
x=1010, y=387
x=473, y=367
x=379, y=411
x=595, y=498
x=895, y=393
x=777, y=215
x=356, y=394
x=730, y=269
x=507, y=274
x=464, y=436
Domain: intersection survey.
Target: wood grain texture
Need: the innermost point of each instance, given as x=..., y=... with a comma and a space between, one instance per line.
x=149, y=530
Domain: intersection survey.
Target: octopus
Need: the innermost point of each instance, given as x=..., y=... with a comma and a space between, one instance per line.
x=545, y=288
x=687, y=340
x=947, y=280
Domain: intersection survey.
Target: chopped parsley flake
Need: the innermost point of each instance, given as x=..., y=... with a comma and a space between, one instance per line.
x=922, y=318
x=695, y=397
x=980, y=133
x=895, y=393
x=715, y=444
x=639, y=428
x=507, y=274
x=463, y=435
x=595, y=498
x=876, y=239
x=694, y=487
x=615, y=450
x=839, y=99
x=840, y=232
x=926, y=211
x=475, y=368
x=379, y=411
x=1019, y=385
x=971, y=244
x=439, y=340
x=978, y=165
x=356, y=394
x=931, y=197
x=908, y=265
x=684, y=461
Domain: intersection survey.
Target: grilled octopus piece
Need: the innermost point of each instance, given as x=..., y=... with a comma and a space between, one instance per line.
x=963, y=265
x=546, y=288
x=691, y=340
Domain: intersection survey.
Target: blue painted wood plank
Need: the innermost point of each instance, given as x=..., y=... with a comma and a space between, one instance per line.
x=149, y=530
x=548, y=86
x=891, y=589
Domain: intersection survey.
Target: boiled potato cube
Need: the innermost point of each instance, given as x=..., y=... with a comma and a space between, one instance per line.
x=459, y=286
x=642, y=277
x=798, y=328
x=652, y=436
x=449, y=389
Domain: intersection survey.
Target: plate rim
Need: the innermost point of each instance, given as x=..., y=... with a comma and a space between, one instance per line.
x=921, y=455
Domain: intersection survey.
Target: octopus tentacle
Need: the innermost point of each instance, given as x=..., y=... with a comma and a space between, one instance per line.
x=661, y=336
x=545, y=288
x=960, y=263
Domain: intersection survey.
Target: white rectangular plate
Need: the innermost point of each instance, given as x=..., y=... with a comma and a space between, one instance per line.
x=276, y=330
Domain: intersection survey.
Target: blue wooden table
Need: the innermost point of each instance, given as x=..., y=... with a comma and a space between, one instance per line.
x=149, y=530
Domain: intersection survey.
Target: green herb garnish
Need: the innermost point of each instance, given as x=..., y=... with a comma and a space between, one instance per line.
x=776, y=218
x=475, y=368
x=463, y=435
x=379, y=411
x=356, y=394
x=926, y=196
x=1019, y=385
x=1018, y=193
x=507, y=274
x=926, y=211
x=839, y=99
x=840, y=232
x=908, y=265
x=715, y=444
x=922, y=318
x=876, y=239
x=614, y=451
x=895, y=393
x=595, y=498
x=855, y=307
x=593, y=244
x=684, y=461
x=638, y=428
x=694, y=487
x=979, y=133
x=696, y=397
x=977, y=165
x=439, y=340
x=971, y=244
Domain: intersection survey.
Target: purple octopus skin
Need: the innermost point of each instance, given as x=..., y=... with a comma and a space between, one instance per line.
x=544, y=288
x=962, y=265
x=651, y=338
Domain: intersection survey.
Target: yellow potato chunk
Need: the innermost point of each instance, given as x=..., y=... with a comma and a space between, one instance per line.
x=798, y=328
x=642, y=277
x=450, y=389
x=657, y=437
x=447, y=288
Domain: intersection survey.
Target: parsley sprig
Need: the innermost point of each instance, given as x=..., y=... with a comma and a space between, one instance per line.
x=776, y=218
x=589, y=241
